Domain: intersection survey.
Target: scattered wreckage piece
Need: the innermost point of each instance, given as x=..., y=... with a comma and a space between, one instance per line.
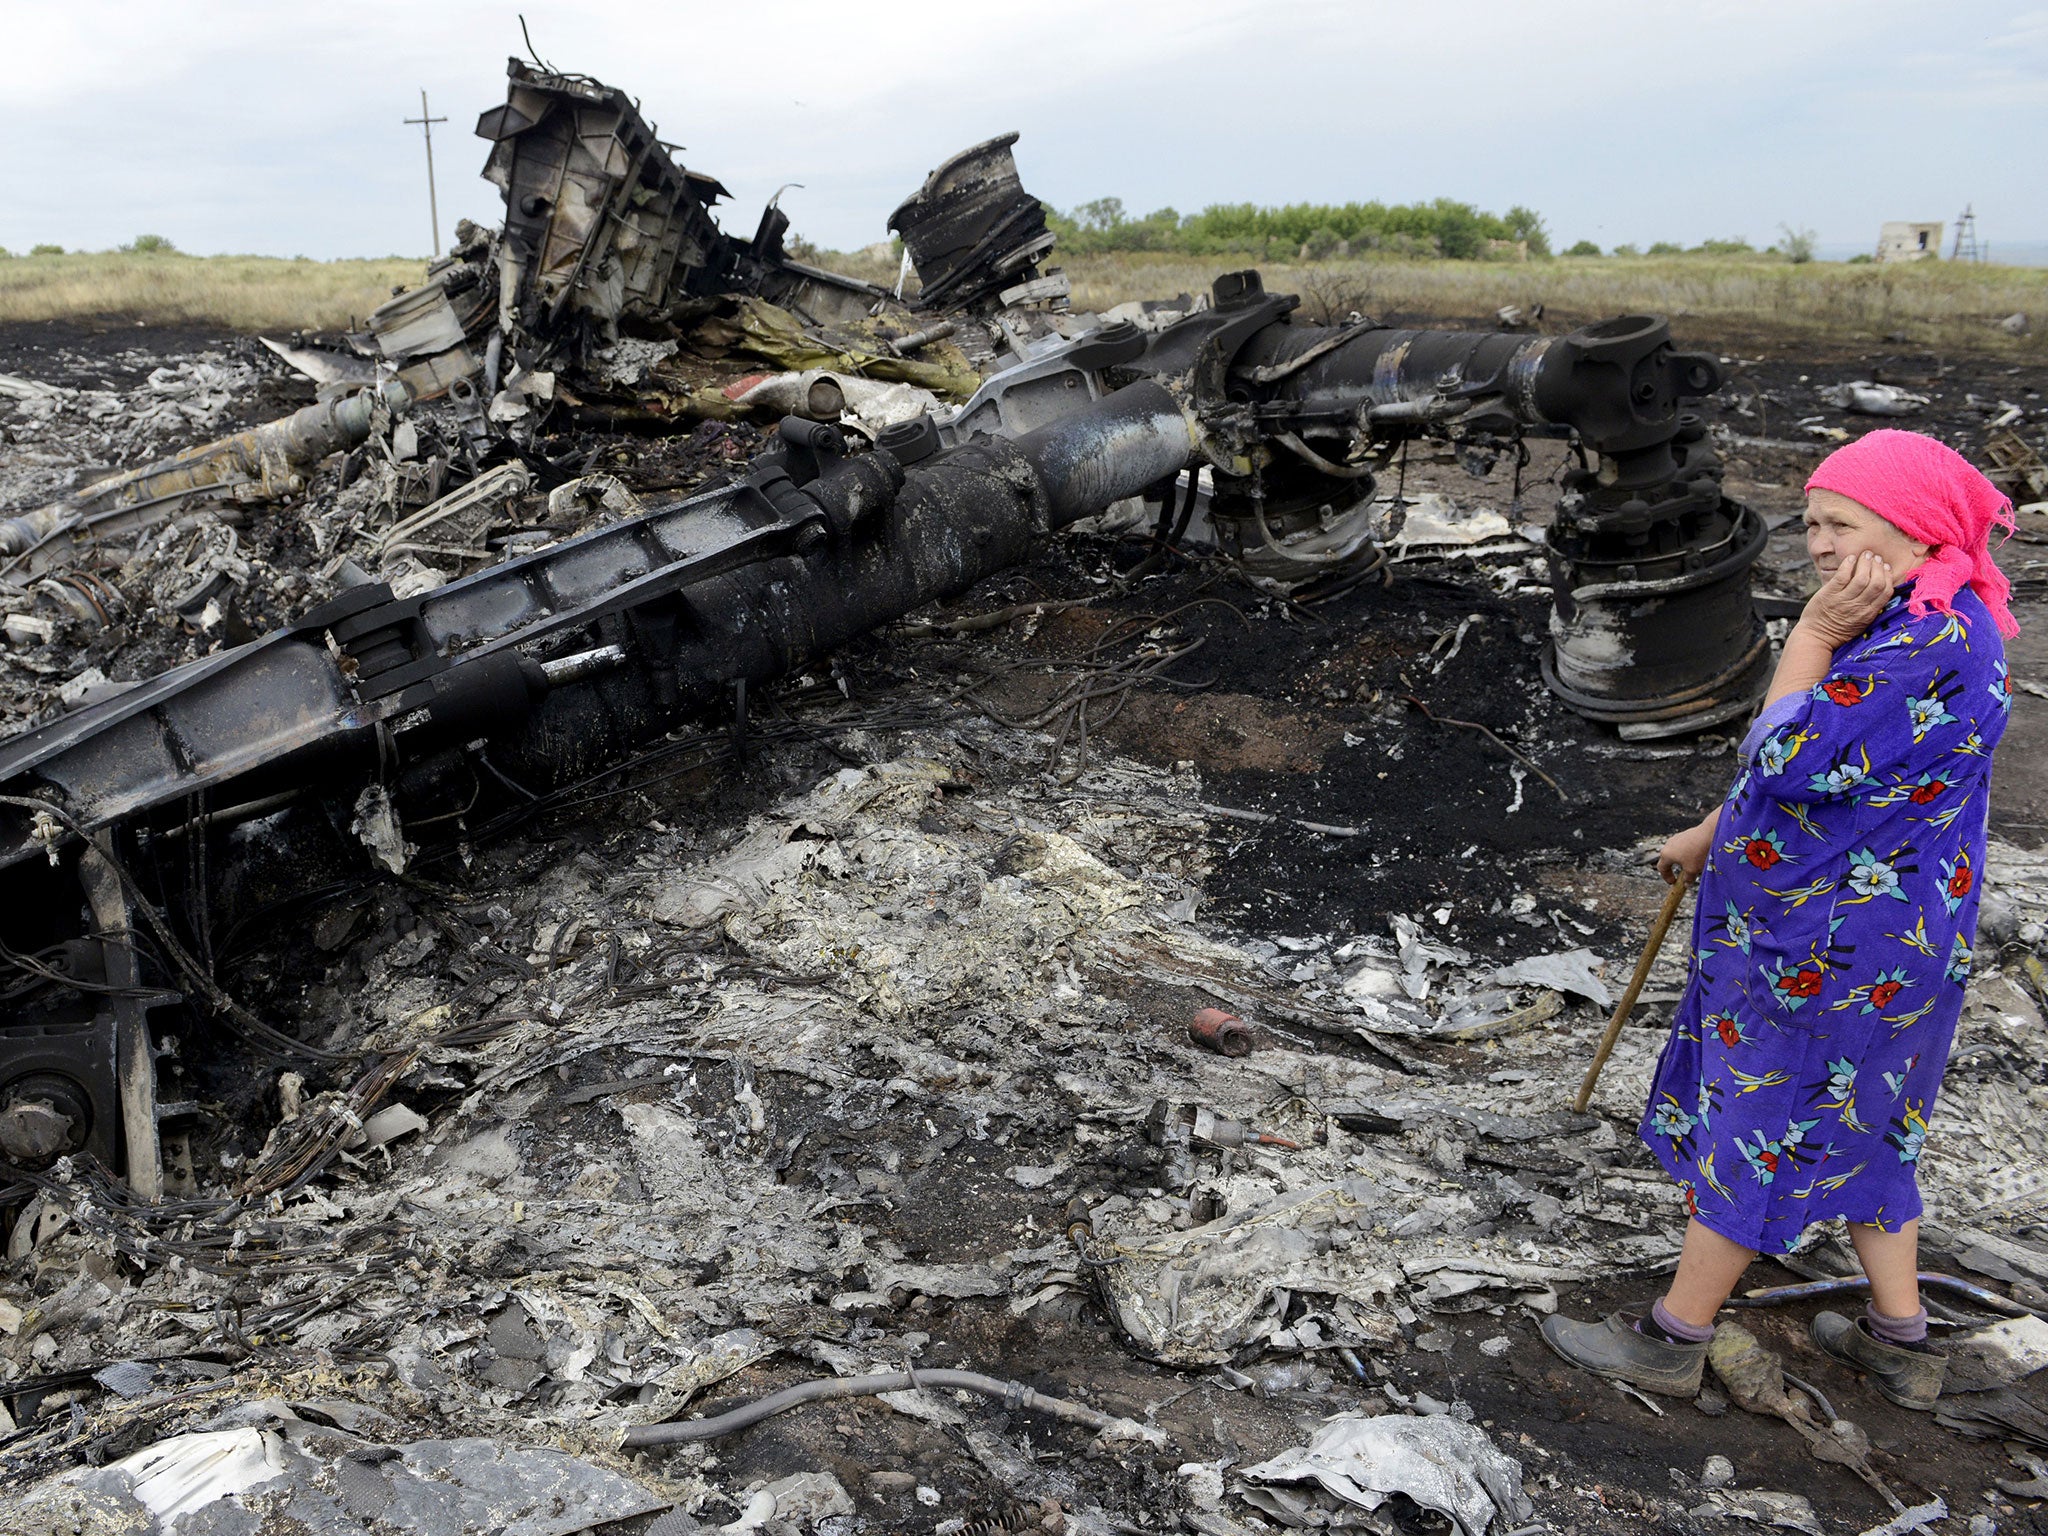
x=2016, y=466
x=603, y=229
x=273, y=1470
x=1442, y=1464
x=265, y=463
x=592, y=193
x=975, y=235
x=546, y=667
x=1757, y=1381
x=1866, y=398
x=1013, y=1395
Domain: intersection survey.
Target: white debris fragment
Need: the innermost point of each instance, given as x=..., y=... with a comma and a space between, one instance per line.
x=1869, y=399
x=80, y=689
x=1441, y=1463
x=376, y=824
x=1791, y=1511
x=2001, y=1353
x=186, y=1473
x=1571, y=970
x=1434, y=521
x=1202, y=1482
x=386, y=1126
x=1918, y=1518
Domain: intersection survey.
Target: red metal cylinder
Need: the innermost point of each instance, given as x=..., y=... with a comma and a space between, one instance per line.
x=1222, y=1032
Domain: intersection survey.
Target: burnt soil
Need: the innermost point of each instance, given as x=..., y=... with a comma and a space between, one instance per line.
x=1263, y=710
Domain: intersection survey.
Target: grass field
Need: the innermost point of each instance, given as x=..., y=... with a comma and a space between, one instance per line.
x=1932, y=304
x=243, y=293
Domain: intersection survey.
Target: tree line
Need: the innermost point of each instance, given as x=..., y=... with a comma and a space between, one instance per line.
x=1445, y=227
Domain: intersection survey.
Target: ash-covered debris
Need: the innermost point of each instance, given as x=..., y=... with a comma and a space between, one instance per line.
x=55, y=432
x=810, y=1010
x=864, y=1078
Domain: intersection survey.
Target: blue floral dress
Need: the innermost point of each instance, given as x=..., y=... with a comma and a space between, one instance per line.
x=1832, y=940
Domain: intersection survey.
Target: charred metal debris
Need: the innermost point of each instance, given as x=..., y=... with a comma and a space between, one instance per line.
x=402, y=710
x=488, y=628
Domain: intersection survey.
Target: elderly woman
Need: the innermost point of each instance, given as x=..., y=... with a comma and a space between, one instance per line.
x=1837, y=906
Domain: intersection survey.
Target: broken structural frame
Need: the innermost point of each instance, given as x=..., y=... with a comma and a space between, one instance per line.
x=377, y=719
x=1651, y=628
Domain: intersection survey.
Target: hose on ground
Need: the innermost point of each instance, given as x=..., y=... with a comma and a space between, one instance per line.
x=1012, y=1394
x=1991, y=1301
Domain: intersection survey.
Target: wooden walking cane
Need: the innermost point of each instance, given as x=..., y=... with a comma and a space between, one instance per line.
x=1635, y=987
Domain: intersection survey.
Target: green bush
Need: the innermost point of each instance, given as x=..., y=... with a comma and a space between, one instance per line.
x=1736, y=247
x=1323, y=244
x=1527, y=225
x=1862, y=257
x=1444, y=227
x=150, y=245
x=1627, y=250
x=1666, y=248
x=1585, y=248
x=1797, y=244
x=46, y=250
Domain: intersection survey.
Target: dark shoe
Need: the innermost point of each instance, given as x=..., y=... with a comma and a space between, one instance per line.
x=1612, y=1347
x=1909, y=1377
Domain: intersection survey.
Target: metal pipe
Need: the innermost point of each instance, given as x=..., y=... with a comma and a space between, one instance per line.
x=1322, y=466
x=903, y=346
x=1119, y=446
x=1013, y=1395
x=564, y=670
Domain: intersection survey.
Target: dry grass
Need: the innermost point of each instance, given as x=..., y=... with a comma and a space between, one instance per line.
x=243, y=293
x=1935, y=304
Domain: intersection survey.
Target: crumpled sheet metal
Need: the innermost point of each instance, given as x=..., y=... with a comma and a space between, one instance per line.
x=752, y=327
x=1204, y=1296
x=1762, y=1506
x=1440, y=1462
x=291, y=1476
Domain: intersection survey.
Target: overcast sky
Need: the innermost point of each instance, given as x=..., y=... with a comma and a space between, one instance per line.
x=249, y=125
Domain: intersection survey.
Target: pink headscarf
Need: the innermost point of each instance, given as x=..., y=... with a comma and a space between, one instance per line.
x=1932, y=494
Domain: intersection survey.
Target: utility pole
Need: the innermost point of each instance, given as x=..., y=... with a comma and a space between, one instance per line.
x=427, y=130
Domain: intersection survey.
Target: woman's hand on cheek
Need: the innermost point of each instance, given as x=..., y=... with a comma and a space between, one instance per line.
x=1846, y=603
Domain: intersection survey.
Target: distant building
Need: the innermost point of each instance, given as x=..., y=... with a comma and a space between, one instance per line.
x=1898, y=241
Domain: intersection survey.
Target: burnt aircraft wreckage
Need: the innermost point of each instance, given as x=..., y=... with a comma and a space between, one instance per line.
x=377, y=724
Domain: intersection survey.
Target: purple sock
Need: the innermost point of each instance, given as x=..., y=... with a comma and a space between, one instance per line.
x=1676, y=1328
x=1896, y=1330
